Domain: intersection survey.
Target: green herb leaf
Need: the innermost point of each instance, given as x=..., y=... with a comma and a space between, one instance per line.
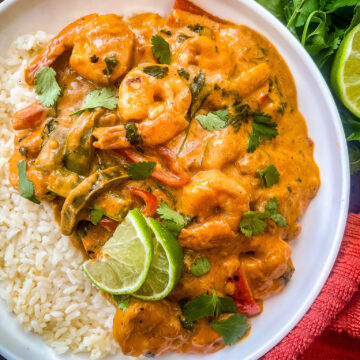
x=199, y=93
x=132, y=135
x=122, y=301
x=231, y=329
x=216, y=120
x=25, y=185
x=156, y=71
x=196, y=28
x=172, y=220
x=183, y=73
x=269, y=176
x=182, y=37
x=205, y=306
x=111, y=62
x=96, y=215
x=161, y=49
x=46, y=86
x=253, y=222
x=262, y=129
x=354, y=155
x=105, y=98
x=200, y=267
x=166, y=32
x=241, y=114
x=141, y=170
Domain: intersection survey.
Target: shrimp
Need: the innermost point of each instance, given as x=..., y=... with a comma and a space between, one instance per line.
x=266, y=266
x=158, y=105
x=93, y=39
x=212, y=192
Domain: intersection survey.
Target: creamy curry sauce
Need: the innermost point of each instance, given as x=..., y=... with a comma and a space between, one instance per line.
x=207, y=175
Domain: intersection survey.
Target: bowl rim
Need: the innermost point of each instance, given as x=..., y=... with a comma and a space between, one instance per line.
x=345, y=174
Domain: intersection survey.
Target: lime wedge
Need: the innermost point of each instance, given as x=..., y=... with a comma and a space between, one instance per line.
x=166, y=267
x=126, y=257
x=345, y=72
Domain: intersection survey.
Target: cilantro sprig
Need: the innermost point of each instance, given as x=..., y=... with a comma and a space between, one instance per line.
x=161, y=49
x=156, y=71
x=204, y=306
x=105, y=98
x=200, y=266
x=26, y=186
x=171, y=219
x=254, y=222
x=141, y=170
x=122, y=301
x=268, y=176
x=111, y=62
x=46, y=86
x=96, y=214
x=215, y=120
x=232, y=329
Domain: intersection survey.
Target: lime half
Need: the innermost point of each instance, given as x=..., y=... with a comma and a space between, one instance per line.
x=345, y=72
x=166, y=267
x=126, y=257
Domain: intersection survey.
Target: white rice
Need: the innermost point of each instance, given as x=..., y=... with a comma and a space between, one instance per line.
x=40, y=275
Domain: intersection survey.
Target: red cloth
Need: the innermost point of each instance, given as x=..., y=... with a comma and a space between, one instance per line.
x=331, y=328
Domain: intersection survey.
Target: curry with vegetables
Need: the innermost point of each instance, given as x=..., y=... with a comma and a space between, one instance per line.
x=193, y=120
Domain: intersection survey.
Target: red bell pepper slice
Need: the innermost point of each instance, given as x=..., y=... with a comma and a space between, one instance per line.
x=245, y=303
x=151, y=201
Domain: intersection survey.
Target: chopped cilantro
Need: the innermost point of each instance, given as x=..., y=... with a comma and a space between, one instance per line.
x=172, y=220
x=46, y=86
x=156, y=71
x=240, y=115
x=122, y=301
x=161, y=49
x=26, y=186
x=94, y=59
x=132, y=135
x=199, y=93
x=203, y=306
x=141, y=170
x=262, y=129
x=111, y=62
x=183, y=73
x=200, y=267
x=232, y=329
x=182, y=37
x=105, y=98
x=268, y=176
x=253, y=222
x=165, y=31
x=196, y=28
x=96, y=215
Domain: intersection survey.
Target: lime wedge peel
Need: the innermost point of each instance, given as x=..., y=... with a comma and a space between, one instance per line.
x=127, y=257
x=166, y=267
x=345, y=72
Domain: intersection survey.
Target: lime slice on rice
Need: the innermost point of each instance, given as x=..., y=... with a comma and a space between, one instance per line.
x=126, y=257
x=345, y=72
x=166, y=267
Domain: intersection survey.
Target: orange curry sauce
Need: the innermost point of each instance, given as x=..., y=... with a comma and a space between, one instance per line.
x=210, y=176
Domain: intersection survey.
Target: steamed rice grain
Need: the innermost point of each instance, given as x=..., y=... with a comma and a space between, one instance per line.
x=40, y=275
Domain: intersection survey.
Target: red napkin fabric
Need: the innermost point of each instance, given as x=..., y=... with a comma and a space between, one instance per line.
x=331, y=328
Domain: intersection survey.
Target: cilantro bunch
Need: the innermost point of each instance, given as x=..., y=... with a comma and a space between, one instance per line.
x=320, y=26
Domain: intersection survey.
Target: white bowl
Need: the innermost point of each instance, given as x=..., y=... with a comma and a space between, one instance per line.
x=314, y=251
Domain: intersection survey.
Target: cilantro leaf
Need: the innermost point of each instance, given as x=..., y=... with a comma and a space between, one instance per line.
x=231, y=329
x=205, y=306
x=132, y=135
x=253, y=222
x=241, y=114
x=269, y=176
x=25, y=185
x=105, y=98
x=216, y=120
x=172, y=220
x=111, y=62
x=200, y=267
x=141, y=170
x=46, y=86
x=156, y=71
x=182, y=37
x=122, y=301
x=199, y=93
x=196, y=28
x=183, y=73
x=96, y=215
x=161, y=49
x=262, y=129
